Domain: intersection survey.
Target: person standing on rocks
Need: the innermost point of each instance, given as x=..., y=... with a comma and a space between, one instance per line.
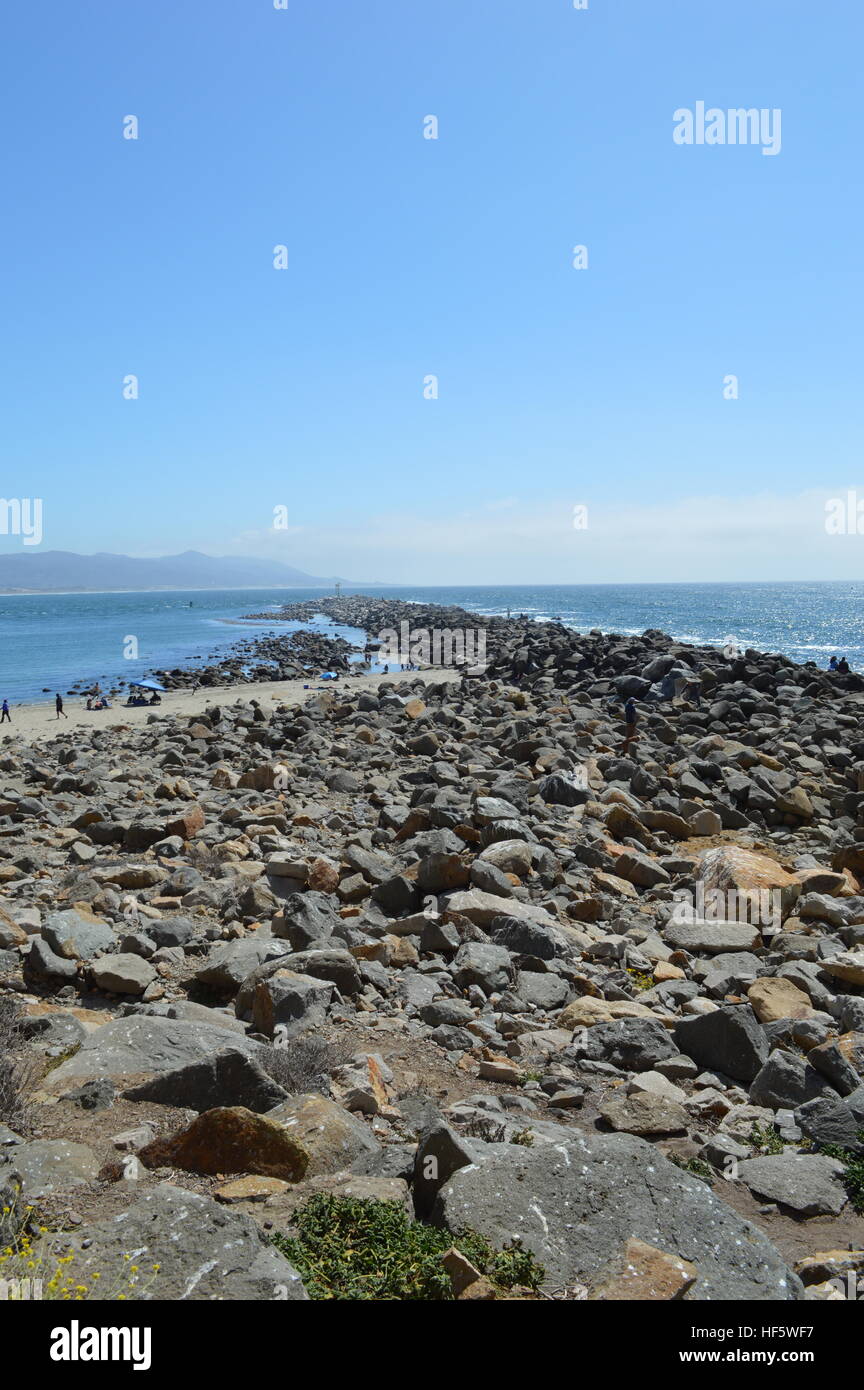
x=5, y=716
x=58, y=705
x=630, y=721
x=693, y=689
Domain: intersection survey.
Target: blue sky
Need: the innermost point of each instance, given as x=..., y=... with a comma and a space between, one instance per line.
x=452, y=257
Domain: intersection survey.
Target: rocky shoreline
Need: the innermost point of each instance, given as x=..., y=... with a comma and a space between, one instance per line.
x=455, y=947
x=303, y=654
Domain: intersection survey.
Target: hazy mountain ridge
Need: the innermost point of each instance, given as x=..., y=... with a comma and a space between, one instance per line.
x=53, y=571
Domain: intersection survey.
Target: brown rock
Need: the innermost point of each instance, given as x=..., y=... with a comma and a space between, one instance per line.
x=323, y=875
x=849, y=966
x=829, y=1264
x=624, y=825
x=642, y=1273
x=731, y=867
x=332, y=1137
x=616, y=885
x=250, y=1189
x=480, y=1291
x=461, y=1271
x=501, y=1069
x=585, y=1012
x=665, y=970
x=402, y=951
x=776, y=997
x=645, y=1113
x=187, y=825
x=231, y=1139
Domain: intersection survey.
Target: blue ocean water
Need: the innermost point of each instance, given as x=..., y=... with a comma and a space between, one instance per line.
x=50, y=642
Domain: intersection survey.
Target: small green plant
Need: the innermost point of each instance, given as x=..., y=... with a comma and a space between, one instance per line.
x=346, y=1248
x=766, y=1140
x=35, y=1271
x=640, y=979
x=525, y=1137
x=853, y=1175
x=55, y=1062
x=697, y=1166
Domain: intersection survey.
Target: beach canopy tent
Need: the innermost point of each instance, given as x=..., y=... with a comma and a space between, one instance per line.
x=146, y=685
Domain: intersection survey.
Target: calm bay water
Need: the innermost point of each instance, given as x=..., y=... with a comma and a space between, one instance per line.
x=49, y=642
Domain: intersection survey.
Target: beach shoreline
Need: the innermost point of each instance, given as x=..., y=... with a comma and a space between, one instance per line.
x=35, y=721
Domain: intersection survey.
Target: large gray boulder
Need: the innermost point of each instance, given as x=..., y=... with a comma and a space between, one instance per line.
x=440, y=1152
x=230, y=1078
x=122, y=974
x=306, y=920
x=828, y=1120
x=141, y=1046
x=787, y=1080
x=204, y=1251
x=730, y=1040
x=574, y=1206
x=75, y=935
x=631, y=1044
x=228, y=963
x=46, y=1165
x=336, y=965
x=290, y=1002
x=557, y=790
x=811, y=1184
x=712, y=937
x=490, y=967
x=524, y=938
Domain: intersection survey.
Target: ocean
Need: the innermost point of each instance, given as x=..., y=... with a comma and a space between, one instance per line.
x=50, y=642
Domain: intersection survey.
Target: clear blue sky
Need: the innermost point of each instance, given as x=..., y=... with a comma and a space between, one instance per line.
x=409, y=256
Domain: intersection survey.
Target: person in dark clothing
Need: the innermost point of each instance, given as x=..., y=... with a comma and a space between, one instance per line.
x=843, y=666
x=630, y=720
x=5, y=717
x=58, y=705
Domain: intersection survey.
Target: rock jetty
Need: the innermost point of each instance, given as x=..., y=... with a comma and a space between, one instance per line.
x=449, y=945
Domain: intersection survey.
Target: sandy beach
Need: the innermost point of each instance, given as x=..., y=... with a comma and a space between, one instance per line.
x=33, y=722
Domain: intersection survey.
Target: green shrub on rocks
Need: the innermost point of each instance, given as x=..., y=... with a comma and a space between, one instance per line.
x=697, y=1166
x=853, y=1177
x=346, y=1248
x=766, y=1140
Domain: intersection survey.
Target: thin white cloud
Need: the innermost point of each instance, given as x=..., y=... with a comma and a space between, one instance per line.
x=760, y=536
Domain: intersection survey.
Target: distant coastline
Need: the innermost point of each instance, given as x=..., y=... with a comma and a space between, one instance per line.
x=167, y=589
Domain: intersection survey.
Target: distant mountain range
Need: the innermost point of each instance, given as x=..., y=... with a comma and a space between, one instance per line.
x=59, y=571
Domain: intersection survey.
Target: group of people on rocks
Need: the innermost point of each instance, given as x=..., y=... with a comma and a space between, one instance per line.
x=842, y=666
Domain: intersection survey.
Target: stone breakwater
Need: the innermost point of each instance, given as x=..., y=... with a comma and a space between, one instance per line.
x=451, y=945
x=374, y=614
x=268, y=658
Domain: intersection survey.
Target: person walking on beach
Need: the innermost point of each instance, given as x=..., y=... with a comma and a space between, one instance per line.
x=58, y=705
x=630, y=719
x=5, y=717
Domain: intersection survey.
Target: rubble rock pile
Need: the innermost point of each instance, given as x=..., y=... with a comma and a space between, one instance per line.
x=448, y=945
